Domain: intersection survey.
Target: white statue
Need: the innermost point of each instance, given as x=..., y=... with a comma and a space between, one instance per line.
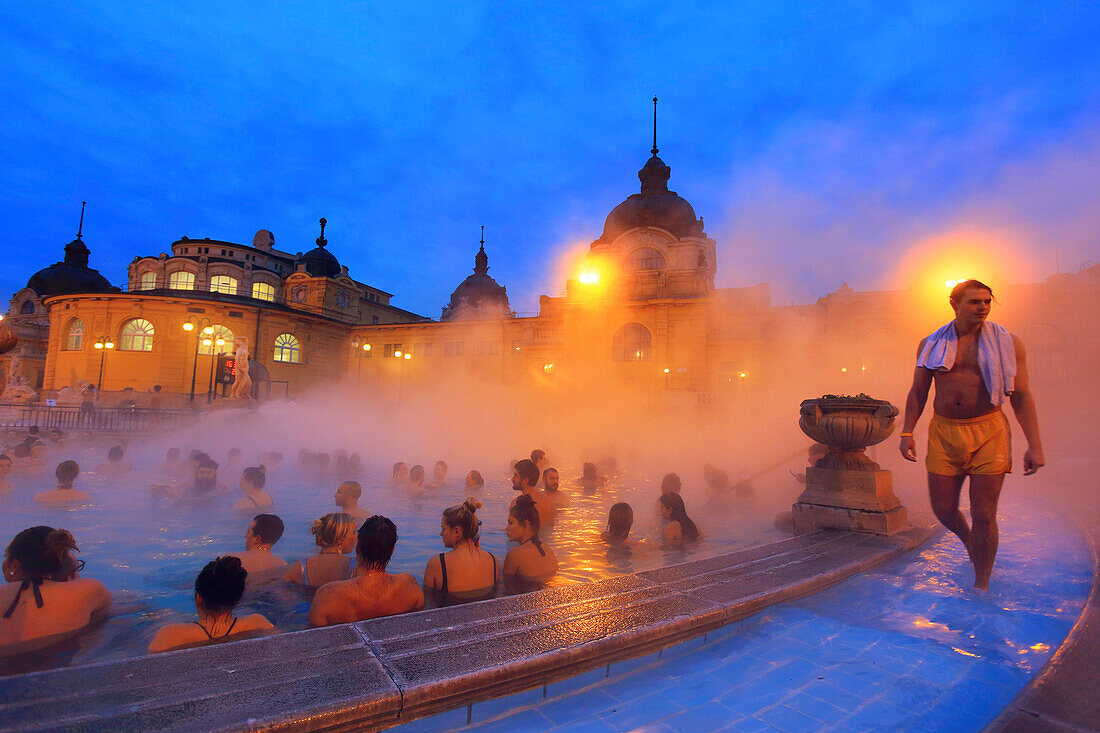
x=242, y=385
x=16, y=388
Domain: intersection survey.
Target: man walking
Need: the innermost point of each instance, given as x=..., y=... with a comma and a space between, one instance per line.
x=977, y=366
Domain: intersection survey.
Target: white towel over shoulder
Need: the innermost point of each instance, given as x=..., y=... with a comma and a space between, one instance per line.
x=996, y=357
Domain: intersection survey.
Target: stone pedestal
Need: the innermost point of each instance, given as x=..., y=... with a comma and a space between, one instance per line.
x=862, y=501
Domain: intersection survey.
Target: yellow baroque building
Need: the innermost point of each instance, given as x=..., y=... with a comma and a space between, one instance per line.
x=643, y=322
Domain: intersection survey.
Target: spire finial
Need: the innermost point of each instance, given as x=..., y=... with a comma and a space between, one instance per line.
x=321, y=241
x=483, y=236
x=654, y=151
x=80, y=228
x=481, y=260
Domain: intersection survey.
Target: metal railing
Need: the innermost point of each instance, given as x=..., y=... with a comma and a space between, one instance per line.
x=111, y=419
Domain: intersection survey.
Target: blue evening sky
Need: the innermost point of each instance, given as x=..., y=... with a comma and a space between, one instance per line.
x=821, y=141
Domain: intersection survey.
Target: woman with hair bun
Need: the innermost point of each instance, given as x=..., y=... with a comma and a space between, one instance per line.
x=44, y=599
x=252, y=484
x=335, y=536
x=218, y=590
x=467, y=572
x=532, y=562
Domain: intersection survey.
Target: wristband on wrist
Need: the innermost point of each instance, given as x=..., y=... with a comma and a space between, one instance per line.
x=907, y=435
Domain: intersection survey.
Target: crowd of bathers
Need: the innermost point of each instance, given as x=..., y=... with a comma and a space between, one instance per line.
x=46, y=599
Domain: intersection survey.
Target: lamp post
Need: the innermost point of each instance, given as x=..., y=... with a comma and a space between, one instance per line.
x=104, y=344
x=359, y=369
x=213, y=358
x=666, y=379
x=208, y=328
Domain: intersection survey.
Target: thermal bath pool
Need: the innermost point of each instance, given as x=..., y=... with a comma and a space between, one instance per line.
x=148, y=553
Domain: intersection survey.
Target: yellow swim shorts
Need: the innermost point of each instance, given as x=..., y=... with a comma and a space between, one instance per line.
x=975, y=445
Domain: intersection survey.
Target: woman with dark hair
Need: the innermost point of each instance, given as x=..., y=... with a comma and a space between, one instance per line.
x=66, y=473
x=45, y=600
x=531, y=561
x=416, y=477
x=474, y=480
x=466, y=573
x=252, y=484
x=218, y=590
x=619, y=521
x=590, y=479
x=335, y=538
x=678, y=527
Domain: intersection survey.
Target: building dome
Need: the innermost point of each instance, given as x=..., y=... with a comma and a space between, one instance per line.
x=478, y=296
x=319, y=261
x=655, y=206
x=70, y=276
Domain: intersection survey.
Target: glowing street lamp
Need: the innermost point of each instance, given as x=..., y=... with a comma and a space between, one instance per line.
x=213, y=358
x=104, y=345
x=397, y=354
x=207, y=328
x=588, y=277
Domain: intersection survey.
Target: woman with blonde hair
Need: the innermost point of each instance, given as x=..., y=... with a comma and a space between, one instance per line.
x=335, y=536
x=467, y=572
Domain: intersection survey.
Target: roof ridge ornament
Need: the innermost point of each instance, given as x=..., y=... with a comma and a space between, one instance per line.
x=321, y=241
x=481, y=260
x=80, y=228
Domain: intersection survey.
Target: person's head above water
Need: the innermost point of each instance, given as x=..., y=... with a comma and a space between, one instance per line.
x=347, y=494
x=523, y=519
x=675, y=511
x=33, y=430
x=115, y=454
x=619, y=521
x=66, y=473
x=400, y=471
x=525, y=475
x=439, y=471
x=334, y=530
x=376, y=540
x=254, y=478
x=266, y=529
x=474, y=480
x=538, y=457
x=461, y=523
x=22, y=451
x=172, y=455
x=206, y=474
x=588, y=471
x=416, y=475
x=670, y=484
x=220, y=585
x=5, y=464
x=41, y=552
x=550, y=480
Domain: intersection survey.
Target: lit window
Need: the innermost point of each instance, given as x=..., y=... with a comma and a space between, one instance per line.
x=181, y=280
x=219, y=332
x=137, y=335
x=223, y=284
x=263, y=291
x=645, y=258
x=74, y=337
x=632, y=343
x=288, y=349
x=148, y=281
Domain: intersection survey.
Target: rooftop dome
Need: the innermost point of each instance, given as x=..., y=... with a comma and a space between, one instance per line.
x=319, y=261
x=655, y=206
x=478, y=296
x=70, y=276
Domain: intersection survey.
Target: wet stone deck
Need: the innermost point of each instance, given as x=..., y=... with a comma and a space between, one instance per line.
x=383, y=672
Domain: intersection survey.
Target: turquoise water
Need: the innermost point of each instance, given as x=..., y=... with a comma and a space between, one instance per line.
x=148, y=552
x=907, y=647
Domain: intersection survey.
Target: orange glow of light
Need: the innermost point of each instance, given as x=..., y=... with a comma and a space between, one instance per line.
x=397, y=354
x=588, y=277
x=407, y=355
x=548, y=368
x=742, y=375
x=844, y=369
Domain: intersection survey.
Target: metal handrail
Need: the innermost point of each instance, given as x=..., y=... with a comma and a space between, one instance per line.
x=86, y=417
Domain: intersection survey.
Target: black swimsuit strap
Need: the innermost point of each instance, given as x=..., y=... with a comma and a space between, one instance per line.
x=443, y=567
x=534, y=540
x=35, y=584
x=211, y=636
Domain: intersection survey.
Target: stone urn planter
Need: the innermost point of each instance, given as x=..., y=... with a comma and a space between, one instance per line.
x=845, y=489
x=848, y=425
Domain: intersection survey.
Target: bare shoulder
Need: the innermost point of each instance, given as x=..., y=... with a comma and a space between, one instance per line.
x=255, y=622
x=1018, y=344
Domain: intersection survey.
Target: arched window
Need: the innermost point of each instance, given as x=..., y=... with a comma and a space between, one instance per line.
x=263, y=291
x=181, y=280
x=223, y=284
x=27, y=307
x=220, y=332
x=148, y=281
x=632, y=343
x=137, y=335
x=74, y=336
x=645, y=258
x=288, y=349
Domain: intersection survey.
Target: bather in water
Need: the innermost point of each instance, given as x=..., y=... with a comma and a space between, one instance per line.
x=467, y=572
x=335, y=538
